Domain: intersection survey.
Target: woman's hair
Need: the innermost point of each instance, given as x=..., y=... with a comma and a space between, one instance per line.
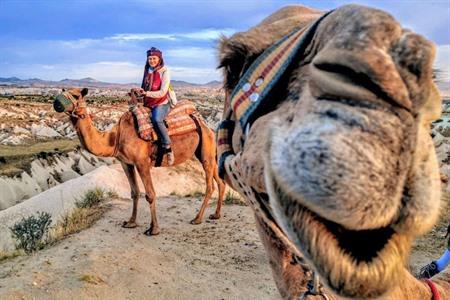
x=152, y=52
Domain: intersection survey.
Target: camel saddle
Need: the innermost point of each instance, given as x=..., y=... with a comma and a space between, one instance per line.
x=180, y=120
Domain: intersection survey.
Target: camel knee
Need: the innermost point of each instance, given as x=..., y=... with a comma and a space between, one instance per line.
x=209, y=189
x=134, y=195
x=150, y=199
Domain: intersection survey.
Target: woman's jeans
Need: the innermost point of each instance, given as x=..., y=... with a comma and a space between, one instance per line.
x=159, y=113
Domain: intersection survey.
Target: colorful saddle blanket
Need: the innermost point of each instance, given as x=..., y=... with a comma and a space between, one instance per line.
x=179, y=121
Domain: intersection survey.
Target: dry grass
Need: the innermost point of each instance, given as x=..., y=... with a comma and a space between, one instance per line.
x=195, y=194
x=233, y=198
x=87, y=211
x=75, y=221
x=92, y=279
x=47, y=146
x=9, y=255
x=16, y=159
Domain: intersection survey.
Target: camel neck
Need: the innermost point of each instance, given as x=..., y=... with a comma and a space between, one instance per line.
x=413, y=288
x=96, y=142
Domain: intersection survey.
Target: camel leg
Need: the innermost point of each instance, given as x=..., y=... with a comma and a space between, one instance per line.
x=221, y=186
x=131, y=175
x=150, y=196
x=209, y=172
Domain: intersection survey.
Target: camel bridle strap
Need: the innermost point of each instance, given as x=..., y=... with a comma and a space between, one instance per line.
x=76, y=106
x=434, y=290
x=116, y=144
x=315, y=288
x=256, y=84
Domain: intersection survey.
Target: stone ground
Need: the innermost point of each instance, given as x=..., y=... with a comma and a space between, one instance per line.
x=221, y=259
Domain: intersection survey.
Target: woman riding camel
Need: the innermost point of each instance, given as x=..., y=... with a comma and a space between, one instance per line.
x=155, y=88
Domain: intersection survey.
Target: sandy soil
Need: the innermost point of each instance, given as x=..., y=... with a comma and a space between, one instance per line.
x=221, y=259
x=215, y=260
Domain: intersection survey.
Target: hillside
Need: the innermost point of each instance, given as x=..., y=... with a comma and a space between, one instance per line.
x=93, y=83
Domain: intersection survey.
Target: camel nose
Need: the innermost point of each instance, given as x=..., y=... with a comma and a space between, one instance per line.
x=337, y=171
x=61, y=103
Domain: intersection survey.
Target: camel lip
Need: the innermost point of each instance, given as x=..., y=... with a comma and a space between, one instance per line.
x=355, y=263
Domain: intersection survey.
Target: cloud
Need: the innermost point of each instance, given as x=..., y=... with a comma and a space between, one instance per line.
x=195, y=75
x=442, y=62
x=109, y=71
x=206, y=34
x=192, y=56
x=141, y=36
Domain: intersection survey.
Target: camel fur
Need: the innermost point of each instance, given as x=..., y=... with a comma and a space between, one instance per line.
x=123, y=143
x=342, y=159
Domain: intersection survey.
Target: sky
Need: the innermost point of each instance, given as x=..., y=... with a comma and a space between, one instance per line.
x=107, y=40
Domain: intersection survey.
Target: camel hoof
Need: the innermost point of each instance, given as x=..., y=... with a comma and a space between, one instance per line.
x=214, y=216
x=150, y=232
x=127, y=224
x=196, y=221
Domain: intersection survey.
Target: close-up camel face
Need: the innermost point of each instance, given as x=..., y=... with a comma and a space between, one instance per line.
x=341, y=146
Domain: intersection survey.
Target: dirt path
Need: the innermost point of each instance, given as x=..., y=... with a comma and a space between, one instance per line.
x=215, y=260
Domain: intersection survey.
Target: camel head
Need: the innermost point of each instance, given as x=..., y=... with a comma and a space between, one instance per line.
x=341, y=146
x=70, y=101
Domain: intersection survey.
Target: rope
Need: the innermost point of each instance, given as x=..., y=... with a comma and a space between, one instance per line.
x=434, y=291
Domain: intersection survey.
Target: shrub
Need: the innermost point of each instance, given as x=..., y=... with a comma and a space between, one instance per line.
x=112, y=194
x=86, y=212
x=91, y=198
x=233, y=198
x=30, y=231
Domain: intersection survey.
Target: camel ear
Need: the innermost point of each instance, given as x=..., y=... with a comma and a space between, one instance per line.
x=84, y=92
x=233, y=58
x=63, y=90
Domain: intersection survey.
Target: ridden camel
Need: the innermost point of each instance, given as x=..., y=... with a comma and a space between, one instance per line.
x=336, y=159
x=123, y=143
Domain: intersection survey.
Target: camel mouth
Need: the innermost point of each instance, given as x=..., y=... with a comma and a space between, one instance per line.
x=360, y=245
x=62, y=104
x=353, y=263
